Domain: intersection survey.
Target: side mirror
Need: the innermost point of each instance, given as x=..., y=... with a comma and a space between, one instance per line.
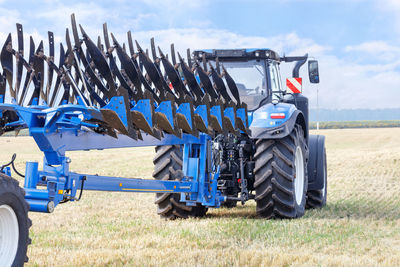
x=313, y=71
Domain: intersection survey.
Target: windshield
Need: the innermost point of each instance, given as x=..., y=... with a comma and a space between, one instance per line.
x=250, y=79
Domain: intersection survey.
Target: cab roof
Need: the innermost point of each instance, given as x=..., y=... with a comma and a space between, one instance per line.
x=245, y=54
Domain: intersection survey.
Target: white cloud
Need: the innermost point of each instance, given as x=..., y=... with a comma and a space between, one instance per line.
x=196, y=38
x=391, y=9
x=379, y=50
x=392, y=4
x=346, y=82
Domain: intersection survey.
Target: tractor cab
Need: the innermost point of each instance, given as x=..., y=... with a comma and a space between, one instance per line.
x=255, y=71
x=257, y=76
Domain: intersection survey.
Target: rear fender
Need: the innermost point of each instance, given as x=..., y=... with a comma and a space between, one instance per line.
x=316, y=161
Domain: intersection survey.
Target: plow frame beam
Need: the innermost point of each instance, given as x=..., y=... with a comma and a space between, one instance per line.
x=55, y=184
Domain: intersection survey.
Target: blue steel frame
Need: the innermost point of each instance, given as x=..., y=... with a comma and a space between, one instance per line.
x=62, y=184
x=63, y=129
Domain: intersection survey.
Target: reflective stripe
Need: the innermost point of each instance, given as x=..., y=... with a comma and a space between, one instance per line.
x=294, y=85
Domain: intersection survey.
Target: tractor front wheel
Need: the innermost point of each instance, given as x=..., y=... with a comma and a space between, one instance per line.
x=168, y=166
x=281, y=175
x=14, y=223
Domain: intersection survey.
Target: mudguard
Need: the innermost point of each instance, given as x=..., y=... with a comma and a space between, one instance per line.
x=316, y=162
x=262, y=126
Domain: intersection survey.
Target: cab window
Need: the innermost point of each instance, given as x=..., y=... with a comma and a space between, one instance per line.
x=276, y=86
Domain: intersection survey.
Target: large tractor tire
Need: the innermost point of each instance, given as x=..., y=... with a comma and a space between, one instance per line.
x=281, y=175
x=14, y=223
x=168, y=166
x=317, y=198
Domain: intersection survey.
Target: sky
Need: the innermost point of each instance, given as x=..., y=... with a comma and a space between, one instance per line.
x=357, y=42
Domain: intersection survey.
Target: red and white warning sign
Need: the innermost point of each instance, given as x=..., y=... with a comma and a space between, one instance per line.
x=293, y=85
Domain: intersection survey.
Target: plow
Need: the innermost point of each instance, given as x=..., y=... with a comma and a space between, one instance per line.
x=225, y=130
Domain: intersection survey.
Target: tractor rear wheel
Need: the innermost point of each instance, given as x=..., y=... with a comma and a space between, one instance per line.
x=168, y=166
x=14, y=223
x=281, y=175
x=317, y=198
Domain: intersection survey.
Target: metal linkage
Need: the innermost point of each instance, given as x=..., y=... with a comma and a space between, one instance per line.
x=62, y=186
x=55, y=184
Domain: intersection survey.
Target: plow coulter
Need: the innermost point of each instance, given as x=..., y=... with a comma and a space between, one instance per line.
x=224, y=129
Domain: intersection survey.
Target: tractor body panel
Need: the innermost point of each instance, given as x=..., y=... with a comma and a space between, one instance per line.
x=301, y=103
x=274, y=121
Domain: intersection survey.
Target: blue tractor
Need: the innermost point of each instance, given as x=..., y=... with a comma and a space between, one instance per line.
x=276, y=162
x=224, y=129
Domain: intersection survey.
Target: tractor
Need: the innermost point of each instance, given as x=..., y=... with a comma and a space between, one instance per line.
x=225, y=130
x=277, y=163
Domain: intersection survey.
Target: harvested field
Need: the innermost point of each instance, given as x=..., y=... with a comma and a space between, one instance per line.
x=359, y=226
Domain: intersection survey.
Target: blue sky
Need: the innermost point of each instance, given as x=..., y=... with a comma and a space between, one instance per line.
x=357, y=42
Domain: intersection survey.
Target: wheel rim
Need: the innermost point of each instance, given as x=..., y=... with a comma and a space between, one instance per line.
x=325, y=180
x=9, y=235
x=299, y=178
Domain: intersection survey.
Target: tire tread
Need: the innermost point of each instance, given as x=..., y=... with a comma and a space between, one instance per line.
x=275, y=174
x=168, y=166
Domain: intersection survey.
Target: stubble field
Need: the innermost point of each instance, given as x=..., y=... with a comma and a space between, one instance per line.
x=360, y=225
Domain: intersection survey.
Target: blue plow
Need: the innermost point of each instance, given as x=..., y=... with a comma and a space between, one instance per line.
x=106, y=97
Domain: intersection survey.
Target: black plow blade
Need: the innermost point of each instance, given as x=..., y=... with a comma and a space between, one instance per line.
x=20, y=36
x=125, y=92
x=7, y=64
x=232, y=86
x=100, y=63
